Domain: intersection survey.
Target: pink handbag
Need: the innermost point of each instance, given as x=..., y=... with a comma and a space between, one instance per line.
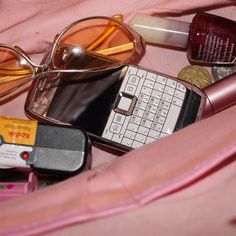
x=182, y=184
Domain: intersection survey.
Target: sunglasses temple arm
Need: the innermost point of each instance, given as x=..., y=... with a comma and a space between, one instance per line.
x=101, y=39
x=116, y=49
x=108, y=31
x=8, y=92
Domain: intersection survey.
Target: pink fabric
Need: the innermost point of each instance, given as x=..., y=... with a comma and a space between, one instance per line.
x=190, y=162
x=204, y=208
x=132, y=181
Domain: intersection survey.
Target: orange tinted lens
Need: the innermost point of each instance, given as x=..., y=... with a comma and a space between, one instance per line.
x=106, y=39
x=14, y=70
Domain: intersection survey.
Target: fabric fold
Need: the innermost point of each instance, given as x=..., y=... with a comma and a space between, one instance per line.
x=139, y=177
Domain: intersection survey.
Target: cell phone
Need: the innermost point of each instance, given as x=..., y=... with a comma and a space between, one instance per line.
x=127, y=108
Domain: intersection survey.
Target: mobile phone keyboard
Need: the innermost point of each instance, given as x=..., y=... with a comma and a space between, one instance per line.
x=147, y=108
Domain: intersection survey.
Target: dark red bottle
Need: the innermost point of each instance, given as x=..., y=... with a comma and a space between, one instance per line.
x=212, y=39
x=208, y=39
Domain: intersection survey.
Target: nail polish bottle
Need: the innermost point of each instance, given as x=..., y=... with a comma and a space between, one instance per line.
x=208, y=39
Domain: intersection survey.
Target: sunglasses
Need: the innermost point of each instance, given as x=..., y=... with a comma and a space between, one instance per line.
x=89, y=46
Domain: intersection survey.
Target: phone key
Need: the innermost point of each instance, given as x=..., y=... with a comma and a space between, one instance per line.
x=143, y=98
x=169, y=90
x=159, y=87
x=146, y=90
x=150, y=140
x=127, y=142
x=133, y=79
x=141, y=105
x=151, y=108
x=117, y=138
x=154, y=101
x=149, y=83
x=161, y=79
x=135, y=120
x=172, y=83
x=164, y=104
x=130, y=89
x=140, y=138
x=156, y=127
x=136, y=144
x=177, y=101
x=115, y=128
x=107, y=134
x=138, y=112
x=162, y=112
x=154, y=134
x=124, y=103
x=132, y=70
x=118, y=118
x=181, y=87
x=179, y=94
x=156, y=94
x=171, y=119
x=148, y=115
x=159, y=119
x=130, y=134
x=167, y=97
x=151, y=76
x=133, y=127
x=143, y=130
x=154, y=109
x=142, y=73
x=146, y=123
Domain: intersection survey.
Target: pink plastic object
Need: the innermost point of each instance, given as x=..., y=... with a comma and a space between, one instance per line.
x=14, y=189
x=220, y=95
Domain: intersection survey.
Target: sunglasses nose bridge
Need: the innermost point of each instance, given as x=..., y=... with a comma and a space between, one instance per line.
x=20, y=51
x=47, y=60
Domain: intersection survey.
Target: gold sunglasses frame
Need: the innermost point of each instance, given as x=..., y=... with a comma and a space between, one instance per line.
x=48, y=62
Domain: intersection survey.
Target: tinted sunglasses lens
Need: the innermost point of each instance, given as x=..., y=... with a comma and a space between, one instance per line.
x=15, y=70
x=86, y=40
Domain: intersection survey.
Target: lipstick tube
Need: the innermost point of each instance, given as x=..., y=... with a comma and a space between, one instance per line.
x=220, y=95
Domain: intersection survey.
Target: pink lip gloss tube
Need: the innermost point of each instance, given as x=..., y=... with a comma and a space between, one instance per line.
x=14, y=189
x=220, y=95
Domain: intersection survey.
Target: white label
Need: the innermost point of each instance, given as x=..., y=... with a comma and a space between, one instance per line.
x=10, y=155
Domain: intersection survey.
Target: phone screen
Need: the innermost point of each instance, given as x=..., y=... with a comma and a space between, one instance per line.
x=86, y=103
